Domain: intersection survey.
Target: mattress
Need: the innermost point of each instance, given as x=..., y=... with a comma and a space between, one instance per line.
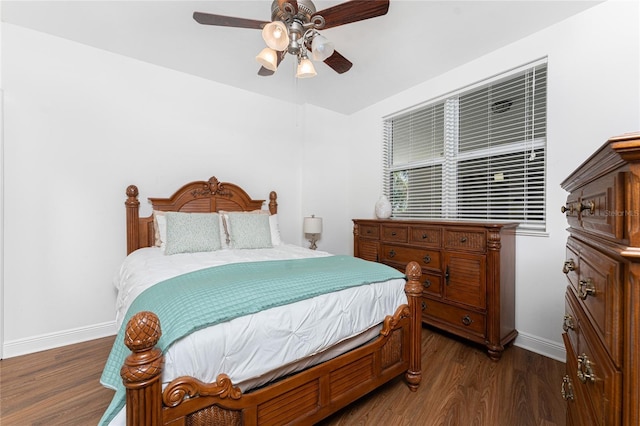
x=256, y=349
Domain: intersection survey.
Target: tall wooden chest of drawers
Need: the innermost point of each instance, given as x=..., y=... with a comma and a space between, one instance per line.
x=602, y=301
x=468, y=272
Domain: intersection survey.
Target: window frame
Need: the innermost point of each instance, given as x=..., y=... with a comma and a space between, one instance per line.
x=532, y=183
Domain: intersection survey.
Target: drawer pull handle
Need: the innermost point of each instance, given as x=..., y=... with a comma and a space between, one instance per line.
x=567, y=389
x=565, y=209
x=585, y=369
x=586, y=288
x=426, y=259
x=591, y=206
x=569, y=265
x=425, y=236
x=368, y=231
x=393, y=234
x=427, y=283
x=446, y=275
x=424, y=305
x=463, y=239
x=567, y=323
x=392, y=253
x=466, y=320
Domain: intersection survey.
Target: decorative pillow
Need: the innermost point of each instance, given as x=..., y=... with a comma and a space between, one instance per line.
x=192, y=232
x=249, y=231
x=275, y=230
x=224, y=224
x=160, y=227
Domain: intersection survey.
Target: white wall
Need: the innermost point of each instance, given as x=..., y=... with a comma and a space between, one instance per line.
x=81, y=125
x=325, y=176
x=593, y=93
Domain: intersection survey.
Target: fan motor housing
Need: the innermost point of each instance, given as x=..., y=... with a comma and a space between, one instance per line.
x=306, y=9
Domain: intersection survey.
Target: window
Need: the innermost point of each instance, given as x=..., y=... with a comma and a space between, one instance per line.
x=477, y=154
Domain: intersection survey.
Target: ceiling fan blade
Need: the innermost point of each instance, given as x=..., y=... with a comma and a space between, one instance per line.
x=265, y=72
x=339, y=63
x=293, y=3
x=227, y=21
x=352, y=11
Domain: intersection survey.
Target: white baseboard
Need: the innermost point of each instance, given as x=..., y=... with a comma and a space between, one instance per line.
x=58, y=339
x=541, y=346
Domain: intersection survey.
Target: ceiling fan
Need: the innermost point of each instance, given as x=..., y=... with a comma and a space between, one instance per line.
x=293, y=29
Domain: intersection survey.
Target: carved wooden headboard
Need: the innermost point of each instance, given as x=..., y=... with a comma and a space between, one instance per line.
x=195, y=197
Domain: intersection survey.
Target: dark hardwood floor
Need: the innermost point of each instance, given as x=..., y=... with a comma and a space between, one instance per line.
x=460, y=386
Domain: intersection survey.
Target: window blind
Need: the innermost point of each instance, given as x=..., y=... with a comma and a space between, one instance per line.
x=476, y=154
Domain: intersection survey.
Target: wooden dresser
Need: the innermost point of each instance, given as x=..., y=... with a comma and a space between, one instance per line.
x=468, y=272
x=602, y=315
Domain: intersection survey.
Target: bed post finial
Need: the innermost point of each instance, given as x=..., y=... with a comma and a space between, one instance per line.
x=141, y=372
x=273, y=204
x=413, y=290
x=132, y=205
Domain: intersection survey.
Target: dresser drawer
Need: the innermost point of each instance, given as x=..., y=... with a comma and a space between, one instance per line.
x=431, y=284
x=461, y=239
x=600, y=296
x=467, y=321
x=400, y=254
x=602, y=206
x=425, y=236
x=396, y=234
x=597, y=377
x=369, y=231
x=579, y=410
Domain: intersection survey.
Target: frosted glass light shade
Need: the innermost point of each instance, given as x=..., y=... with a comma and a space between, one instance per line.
x=312, y=225
x=305, y=69
x=268, y=58
x=321, y=48
x=276, y=35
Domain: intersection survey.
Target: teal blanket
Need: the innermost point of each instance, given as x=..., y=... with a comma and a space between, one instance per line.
x=210, y=296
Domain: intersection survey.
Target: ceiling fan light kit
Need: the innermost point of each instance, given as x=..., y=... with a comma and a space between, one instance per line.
x=276, y=35
x=268, y=58
x=305, y=68
x=294, y=30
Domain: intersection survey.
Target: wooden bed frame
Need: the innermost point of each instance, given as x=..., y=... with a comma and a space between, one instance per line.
x=302, y=398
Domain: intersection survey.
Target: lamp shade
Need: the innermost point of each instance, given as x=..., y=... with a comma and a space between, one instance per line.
x=305, y=69
x=321, y=48
x=312, y=225
x=268, y=58
x=276, y=35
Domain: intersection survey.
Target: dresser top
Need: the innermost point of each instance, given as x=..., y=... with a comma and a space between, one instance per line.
x=613, y=154
x=439, y=222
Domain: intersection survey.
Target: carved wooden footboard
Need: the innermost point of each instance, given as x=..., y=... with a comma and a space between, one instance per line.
x=305, y=397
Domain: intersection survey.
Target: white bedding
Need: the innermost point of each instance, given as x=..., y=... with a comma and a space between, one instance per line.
x=255, y=349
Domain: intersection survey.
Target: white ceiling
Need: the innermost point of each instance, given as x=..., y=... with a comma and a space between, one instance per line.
x=415, y=41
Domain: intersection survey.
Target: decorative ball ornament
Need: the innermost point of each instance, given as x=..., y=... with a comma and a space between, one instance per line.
x=383, y=208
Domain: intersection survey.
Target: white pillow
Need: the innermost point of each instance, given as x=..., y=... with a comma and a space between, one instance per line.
x=249, y=231
x=275, y=230
x=160, y=227
x=192, y=232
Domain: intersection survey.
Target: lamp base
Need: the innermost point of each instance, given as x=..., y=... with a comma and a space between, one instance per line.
x=313, y=240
